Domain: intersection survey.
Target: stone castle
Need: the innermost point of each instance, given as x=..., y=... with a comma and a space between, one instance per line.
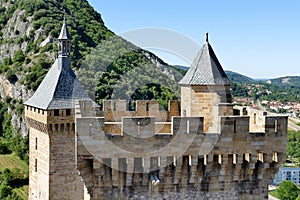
x=202, y=147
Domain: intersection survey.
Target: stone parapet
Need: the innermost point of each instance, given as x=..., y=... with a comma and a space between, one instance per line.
x=233, y=163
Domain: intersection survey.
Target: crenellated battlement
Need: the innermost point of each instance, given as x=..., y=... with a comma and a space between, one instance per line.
x=148, y=119
x=146, y=129
x=242, y=124
x=183, y=153
x=114, y=110
x=200, y=148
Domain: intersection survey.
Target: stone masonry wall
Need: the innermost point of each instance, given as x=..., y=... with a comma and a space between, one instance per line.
x=38, y=164
x=52, y=165
x=205, y=101
x=233, y=163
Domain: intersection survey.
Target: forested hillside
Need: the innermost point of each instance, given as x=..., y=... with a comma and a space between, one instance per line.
x=283, y=89
x=32, y=27
x=109, y=67
x=238, y=78
x=287, y=81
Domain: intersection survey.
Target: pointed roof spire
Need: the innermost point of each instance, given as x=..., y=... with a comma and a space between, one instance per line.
x=206, y=39
x=206, y=69
x=60, y=87
x=64, y=34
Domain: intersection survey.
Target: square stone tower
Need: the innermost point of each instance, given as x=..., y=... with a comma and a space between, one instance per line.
x=205, y=89
x=50, y=117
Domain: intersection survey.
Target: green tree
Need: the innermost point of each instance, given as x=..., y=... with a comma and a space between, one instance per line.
x=3, y=147
x=5, y=190
x=11, y=77
x=293, y=144
x=287, y=190
x=19, y=56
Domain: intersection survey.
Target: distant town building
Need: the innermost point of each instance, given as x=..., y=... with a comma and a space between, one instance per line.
x=287, y=173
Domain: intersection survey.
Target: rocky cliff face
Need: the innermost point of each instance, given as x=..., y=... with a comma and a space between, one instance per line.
x=164, y=67
x=30, y=27
x=15, y=91
x=14, y=29
x=17, y=26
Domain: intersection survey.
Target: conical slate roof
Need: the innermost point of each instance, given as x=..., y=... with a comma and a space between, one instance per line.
x=59, y=89
x=64, y=34
x=206, y=69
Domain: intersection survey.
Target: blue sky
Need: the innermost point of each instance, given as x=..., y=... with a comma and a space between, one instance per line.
x=258, y=38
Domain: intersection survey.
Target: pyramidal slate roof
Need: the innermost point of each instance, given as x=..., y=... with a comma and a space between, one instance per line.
x=206, y=69
x=64, y=34
x=60, y=88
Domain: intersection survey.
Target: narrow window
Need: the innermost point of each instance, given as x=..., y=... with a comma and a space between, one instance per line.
x=147, y=106
x=35, y=165
x=276, y=126
x=234, y=126
x=114, y=108
x=62, y=127
x=247, y=157
x=275, y=157
x=73, y=127
x=56, y=112
x=188, y=127
x=174, y=160
x=220, y=159
x=158, y=161
x=234, y=160
x=68, y=127
x=139, y=127
x=261, y=157
x=254, y=120
x=36, y=143
x=83, y=106
x=68, y=112
x=56, y=127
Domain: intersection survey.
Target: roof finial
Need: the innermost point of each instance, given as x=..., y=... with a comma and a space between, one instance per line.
x=206, y=39
x=64, y=16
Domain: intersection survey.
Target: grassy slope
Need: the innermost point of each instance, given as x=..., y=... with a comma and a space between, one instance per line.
x=22, y=192
x=11, y=161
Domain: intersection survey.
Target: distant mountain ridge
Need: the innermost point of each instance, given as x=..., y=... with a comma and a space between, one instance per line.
x=240, y=78
x=287, y=80
x=233, y=76
x=182, y=67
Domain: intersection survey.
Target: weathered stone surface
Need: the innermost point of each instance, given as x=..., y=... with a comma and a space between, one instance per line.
x=203, y=153
x=189, y=162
